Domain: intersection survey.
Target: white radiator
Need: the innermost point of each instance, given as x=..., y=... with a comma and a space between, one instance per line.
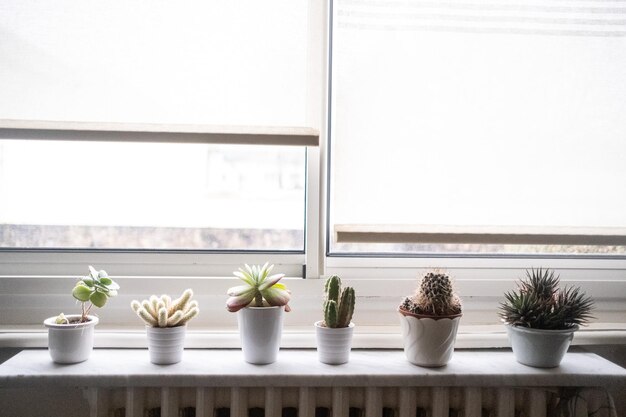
x=348, y=402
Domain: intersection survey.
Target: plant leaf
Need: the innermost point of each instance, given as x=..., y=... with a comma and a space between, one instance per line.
x=98, y=299
x=270, y=281
x=239, y=290
x=81, y=292
x=93, y=272
x=244, y=277
x=276, y=296
x=234, y=304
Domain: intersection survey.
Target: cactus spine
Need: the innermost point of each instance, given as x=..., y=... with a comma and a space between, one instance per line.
x=338, y=304
x=434, y=297
x=165, y=312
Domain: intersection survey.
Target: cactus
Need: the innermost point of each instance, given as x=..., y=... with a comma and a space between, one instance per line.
x=338, y=304
x=539, y=303
x=434, y=297
x=165, y=312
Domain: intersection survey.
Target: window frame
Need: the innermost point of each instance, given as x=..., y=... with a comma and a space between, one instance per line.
x=315, y=260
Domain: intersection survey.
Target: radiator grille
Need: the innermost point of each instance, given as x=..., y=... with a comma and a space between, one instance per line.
x=332, y=402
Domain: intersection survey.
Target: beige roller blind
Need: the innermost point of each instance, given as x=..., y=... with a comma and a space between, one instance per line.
x=185, y=71
x=478, y=121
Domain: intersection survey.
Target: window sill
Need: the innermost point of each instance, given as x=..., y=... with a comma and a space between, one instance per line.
x=380, y=368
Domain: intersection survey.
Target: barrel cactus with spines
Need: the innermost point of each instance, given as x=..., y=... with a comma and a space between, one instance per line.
x=338, y=304
x=434, y=296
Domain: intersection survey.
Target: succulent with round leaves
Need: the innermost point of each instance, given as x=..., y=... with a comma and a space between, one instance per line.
x=164, y=312
x=338, y=304
x=434, y=296
x=260, y=289
x=91, y=290
x=539, y=303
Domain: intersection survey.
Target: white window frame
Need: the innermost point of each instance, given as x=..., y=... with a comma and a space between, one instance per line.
x=380, y=281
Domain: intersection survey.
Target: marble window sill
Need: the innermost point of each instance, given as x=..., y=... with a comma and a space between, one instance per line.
x=375, y=368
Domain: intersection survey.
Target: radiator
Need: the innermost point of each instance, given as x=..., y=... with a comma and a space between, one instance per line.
x=347, y=402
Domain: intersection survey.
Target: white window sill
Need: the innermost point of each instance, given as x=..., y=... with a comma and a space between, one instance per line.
x=300, y=368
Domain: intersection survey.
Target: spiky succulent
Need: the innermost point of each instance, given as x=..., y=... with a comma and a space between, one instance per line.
x=539, y=303
x=338, y=304
x=164, y=312
x=91, y=290
x=434, y=296
x=260, y=289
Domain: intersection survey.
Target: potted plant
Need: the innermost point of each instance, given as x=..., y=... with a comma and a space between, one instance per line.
x=259, y=304
x=429, y=320
x=70, y=338
x=166, y=324
x=541, y=318
x=334, y=333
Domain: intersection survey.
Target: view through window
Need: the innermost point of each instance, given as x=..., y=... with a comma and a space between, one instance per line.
x=151, y=196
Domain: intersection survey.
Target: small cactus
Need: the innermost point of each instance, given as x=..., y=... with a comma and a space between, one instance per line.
x=165, y=312
x=338, y=305
x=434, y=297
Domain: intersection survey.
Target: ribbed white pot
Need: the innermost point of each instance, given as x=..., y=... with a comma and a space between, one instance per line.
x=428, y=341
x=260, y=329
x=166, y=344
x=333, y=345
x=70, y=343
x=539, y=348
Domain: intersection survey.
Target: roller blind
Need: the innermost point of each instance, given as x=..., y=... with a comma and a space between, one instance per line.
x=478, y=118
x=191, y=71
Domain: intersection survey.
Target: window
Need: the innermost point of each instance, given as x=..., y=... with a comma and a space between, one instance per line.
x=182, y=66
x=151, y=196
x=478, y=128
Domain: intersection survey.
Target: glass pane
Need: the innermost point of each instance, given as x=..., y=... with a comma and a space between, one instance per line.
x=190, y=61
x=151, y=196
x=481, y=114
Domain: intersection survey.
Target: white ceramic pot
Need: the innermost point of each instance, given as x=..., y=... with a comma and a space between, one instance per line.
x=539, y=348
x=260, y=329
x=166, y=344
x=70, y=343
x=428, y=341
x=333, y=345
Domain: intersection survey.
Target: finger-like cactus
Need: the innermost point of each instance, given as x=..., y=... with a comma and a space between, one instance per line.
x=338, y=305
x=163, y=312
x=434, y=297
